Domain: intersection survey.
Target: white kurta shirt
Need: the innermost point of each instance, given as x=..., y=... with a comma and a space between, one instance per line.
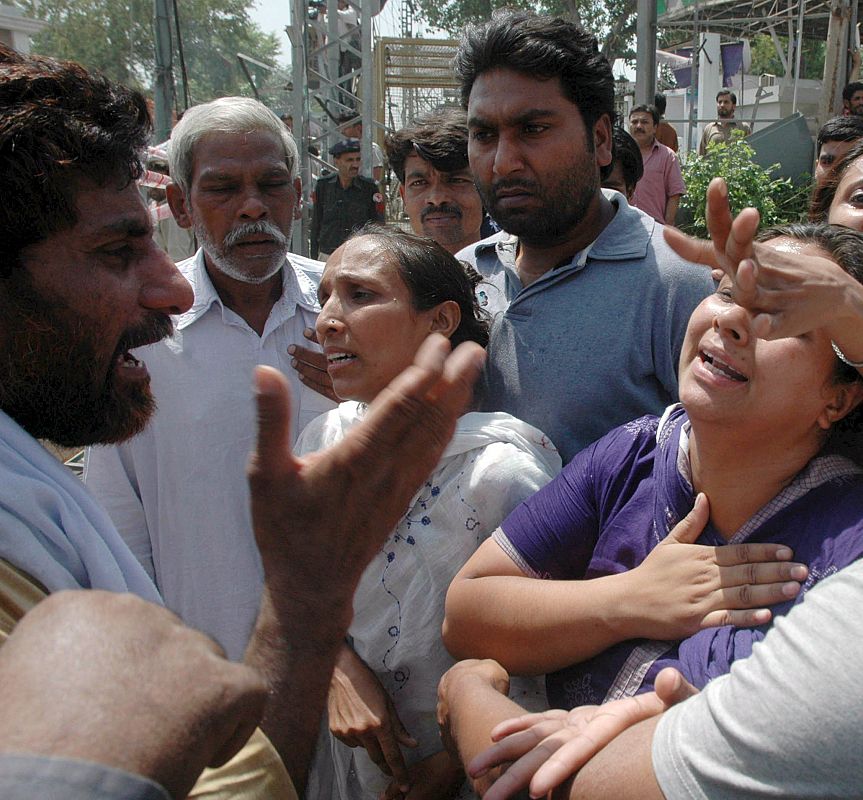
x=493, y=462
x=177, y=492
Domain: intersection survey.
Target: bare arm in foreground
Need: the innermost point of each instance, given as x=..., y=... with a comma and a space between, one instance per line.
x=531, y=626
x=115, y=680
x=319, y=520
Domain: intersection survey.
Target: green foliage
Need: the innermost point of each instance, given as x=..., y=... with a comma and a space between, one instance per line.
x=778, y=200
x=766, y=59
x=612, y=21
x=116, y=37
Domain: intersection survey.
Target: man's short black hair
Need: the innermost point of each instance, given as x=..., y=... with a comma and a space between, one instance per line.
x=439, y=137
x=839, y=129
x=850, y=88
x=645, y=108
x=59, y=124
x=628, y=155
x=822, y=196
x=659, y=102
x=726, y=92
x=540, y=47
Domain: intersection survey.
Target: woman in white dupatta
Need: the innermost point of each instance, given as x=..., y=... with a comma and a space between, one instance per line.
x=382, y=293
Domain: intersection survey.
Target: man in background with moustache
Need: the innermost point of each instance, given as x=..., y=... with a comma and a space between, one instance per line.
x=429, y=157
x=177, y=493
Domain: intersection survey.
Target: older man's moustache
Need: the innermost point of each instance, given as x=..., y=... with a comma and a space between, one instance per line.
x=156, y=328
x=443, y=208
x=264, y=227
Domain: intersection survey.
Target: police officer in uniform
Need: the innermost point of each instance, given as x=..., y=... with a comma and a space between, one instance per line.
x=344, y=201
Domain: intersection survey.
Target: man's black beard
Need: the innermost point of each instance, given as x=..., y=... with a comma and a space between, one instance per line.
x=562, y=208
x=54, y=383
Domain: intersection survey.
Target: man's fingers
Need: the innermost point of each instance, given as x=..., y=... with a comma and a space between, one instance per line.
x=319, y=382
x=609, y=721
x=766, y=574
x=697, y=250
x=311, y=366
x=718, y=213
x=247, y=691
x=525, y=721
x=748, y=595
x=672, y=688
x=428, y=397
x=274, y=420
x=306, y=360
x=740, y=241
x=742, y=618
x=565, y=762
x=690, y=527
x=401, y=734
x=460, y=372
x=371, y=745
x=395, y=761
x=512, y=747
x=752, y=553
x=745, y=288
x=520, y=774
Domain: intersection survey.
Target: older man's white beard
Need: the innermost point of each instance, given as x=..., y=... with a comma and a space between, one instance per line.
x=220, y=254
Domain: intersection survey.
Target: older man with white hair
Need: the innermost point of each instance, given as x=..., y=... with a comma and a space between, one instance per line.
x=177, y=492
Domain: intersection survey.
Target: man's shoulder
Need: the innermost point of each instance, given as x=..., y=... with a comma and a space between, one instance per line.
x=307, y=266
x=325, y=181
x=472, y=252
x=666, y=151
x=368, y=184
x=636, y=236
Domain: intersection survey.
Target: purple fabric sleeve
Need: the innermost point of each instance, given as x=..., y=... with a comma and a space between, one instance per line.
x=554, y=531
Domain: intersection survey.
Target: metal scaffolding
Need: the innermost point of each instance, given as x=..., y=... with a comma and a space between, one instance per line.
x=383, y=82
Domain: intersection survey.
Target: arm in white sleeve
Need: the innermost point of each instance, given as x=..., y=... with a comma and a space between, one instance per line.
x=110, y=475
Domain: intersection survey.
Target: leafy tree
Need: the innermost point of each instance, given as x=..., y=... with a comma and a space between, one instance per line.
x=116, y=37
x=765, y=58
x=611, y=21
x=778, y=200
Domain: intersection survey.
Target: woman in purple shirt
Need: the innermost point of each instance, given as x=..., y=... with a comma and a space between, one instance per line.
x=763, y=433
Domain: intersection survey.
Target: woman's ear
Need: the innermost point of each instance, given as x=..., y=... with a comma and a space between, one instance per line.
x=446, y=317
x=846, y=397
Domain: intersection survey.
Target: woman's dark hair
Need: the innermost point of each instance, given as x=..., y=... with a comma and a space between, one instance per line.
x=434, y=276
x=845, y=247
x=822, y=196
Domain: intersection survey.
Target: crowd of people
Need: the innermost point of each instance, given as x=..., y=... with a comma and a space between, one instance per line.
x=568, y=508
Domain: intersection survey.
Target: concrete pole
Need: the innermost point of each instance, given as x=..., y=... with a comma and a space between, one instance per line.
x=834, y=60
x=299, y=110
x=709, y=79
x=367, y=90
x=645, y=52
x=163, y=85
